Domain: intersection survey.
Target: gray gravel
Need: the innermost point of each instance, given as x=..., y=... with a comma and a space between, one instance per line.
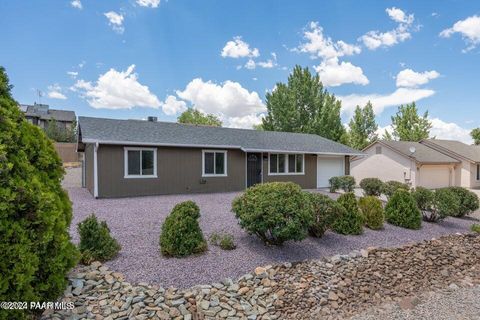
x=136, y=223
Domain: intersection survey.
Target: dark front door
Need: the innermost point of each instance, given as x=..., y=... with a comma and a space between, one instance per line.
x=254, y=168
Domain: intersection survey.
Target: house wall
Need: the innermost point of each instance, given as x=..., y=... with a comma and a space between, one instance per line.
x=308, y=180
x=474, y=183
x=88, y=158
x=179, y=170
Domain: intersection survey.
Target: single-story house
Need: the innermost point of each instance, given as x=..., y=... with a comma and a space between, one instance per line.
x=125, y=158
x=40, y=114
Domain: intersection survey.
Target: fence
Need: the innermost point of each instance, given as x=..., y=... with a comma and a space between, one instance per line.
x=67, y=152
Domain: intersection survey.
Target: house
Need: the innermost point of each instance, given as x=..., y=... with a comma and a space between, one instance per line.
x=428, y=163
x=135, y=158
x=40, y=114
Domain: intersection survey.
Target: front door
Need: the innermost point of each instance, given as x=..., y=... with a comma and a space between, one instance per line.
x=254, y=168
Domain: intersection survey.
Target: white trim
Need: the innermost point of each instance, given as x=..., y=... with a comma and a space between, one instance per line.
x=207, y=175
x=304, y=152
x=286, y=173
x=95, y=170
x=139, y=176
x=330, y=157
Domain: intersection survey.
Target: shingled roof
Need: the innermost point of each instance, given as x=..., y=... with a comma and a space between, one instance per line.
x=456, y=148
x=422, y=154
x=46, y=113
x=140, y=132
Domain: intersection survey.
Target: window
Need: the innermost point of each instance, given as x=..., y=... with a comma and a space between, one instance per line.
x=214, y=163
x=281, y=163
x=140, y=163
x=478, y=171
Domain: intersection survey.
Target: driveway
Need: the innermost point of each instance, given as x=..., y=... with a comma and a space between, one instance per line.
x=136, y=223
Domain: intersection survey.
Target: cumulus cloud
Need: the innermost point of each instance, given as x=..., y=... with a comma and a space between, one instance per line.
x=77, y=4
x=149, y=3
x=332, y=73
x=247, y=121
x=449, y=130
x=411, y=79
x=375, y=39
x=468, y=28
x=115, y=20
x=172, y=106
x=117, y=90
x=237, y=48
x=55, y=92
x=382, y=101
x=268, y=64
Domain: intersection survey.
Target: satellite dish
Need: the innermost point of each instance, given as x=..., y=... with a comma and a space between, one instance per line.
x=412, y=149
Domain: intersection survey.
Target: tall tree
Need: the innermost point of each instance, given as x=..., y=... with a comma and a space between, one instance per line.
x=303, y=105
x=362, y=127
x=194, y=116
x=408, y=125
x=475, y=134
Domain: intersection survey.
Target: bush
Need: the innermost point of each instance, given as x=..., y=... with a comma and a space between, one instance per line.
x=475, y=227
x=390, y=187
x=425, y=200
x=447, y=202
x=275, y=212
x=401, y=210
x=223, y=240
x=468, y=201
x=325, y=212
x=346, y=183
x=372, y=186
x=181, y=234
x=96, y=243
x=351, y=221
x=35, y=213
x=372, y=213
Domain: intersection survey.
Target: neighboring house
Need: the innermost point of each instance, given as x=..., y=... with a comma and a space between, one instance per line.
x=40, y=114
x=135, y=158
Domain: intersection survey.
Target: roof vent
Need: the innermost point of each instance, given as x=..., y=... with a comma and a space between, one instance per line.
x=152, y=119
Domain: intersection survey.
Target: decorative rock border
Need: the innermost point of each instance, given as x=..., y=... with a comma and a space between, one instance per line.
x=330, y=288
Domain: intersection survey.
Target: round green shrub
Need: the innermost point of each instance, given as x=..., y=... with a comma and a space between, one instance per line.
x=401, y=210
x=426, y=203
x=447, y=202
x=372, y=186
x=390, y=187
x=223, y=240
x=35, y=213
x=96, y=243
x=345, y=183
x=372, y=213
x=325, y=212
x=276, y=212
x=181, y=234
x=468, y=201
x=351, y=221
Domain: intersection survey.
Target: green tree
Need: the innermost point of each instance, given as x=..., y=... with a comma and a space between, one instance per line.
x=362, y=127
x=475, y=133
x=408, y=125
x=194, y=116
x=58, y=133
x=35, y=213
x=387, y=136
x=303, y=105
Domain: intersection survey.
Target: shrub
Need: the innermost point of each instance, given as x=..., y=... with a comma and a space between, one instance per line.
x=96, y=243
x=275, y=212
x=475, y=228
x=325, y=212
x=425, y=200
x=468, y=201
x=390, y=187
x=372, y=213
x=446, y=202
x=351, y=221
x=401, y=210
x=346, y=183
x=181, y=234
x=372, y=186
x=223, y=240
x=35, y=213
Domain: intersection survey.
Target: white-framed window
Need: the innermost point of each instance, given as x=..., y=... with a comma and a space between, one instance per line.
x=140, y=162
x=286, y=163
x=214, y=163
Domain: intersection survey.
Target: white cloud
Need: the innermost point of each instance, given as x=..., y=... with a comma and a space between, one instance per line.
x=449, y=130
x=380, y=102
x=77, y=4
x=319, y=45
x=376, y=39
x=468, y=28
x=332, y=73
x=72, y=74
x=172, y=105
x=237, y=48
x=117, y=90
x=268, y=64
x=246, y=122
x=55, y=92
x=115, y=20
x=412, y=79
x=148, y=3
x=250, y=64
x=381, y=130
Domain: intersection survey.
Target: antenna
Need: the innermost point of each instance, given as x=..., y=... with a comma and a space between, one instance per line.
x=40, y=95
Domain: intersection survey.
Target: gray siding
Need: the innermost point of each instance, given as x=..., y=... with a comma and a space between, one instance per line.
x=179, y=170
x=306, y=181
x=88, y=155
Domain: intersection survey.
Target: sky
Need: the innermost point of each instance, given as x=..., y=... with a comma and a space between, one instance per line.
x=130, y=59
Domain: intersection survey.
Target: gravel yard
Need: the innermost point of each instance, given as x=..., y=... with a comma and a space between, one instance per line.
x=136, y=223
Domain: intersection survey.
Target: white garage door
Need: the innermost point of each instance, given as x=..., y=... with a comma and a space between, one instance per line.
x=328, y=167
x=434, y=177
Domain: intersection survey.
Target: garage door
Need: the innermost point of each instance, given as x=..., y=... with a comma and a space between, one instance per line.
x=434, y=177
x=328, y=167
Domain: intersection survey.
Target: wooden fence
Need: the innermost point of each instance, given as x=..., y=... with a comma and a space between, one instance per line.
x=67, y=152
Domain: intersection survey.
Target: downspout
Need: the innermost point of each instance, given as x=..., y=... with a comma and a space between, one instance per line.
x=95, y=170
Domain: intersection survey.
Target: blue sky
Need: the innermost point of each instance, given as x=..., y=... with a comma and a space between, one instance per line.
x=135, y=58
